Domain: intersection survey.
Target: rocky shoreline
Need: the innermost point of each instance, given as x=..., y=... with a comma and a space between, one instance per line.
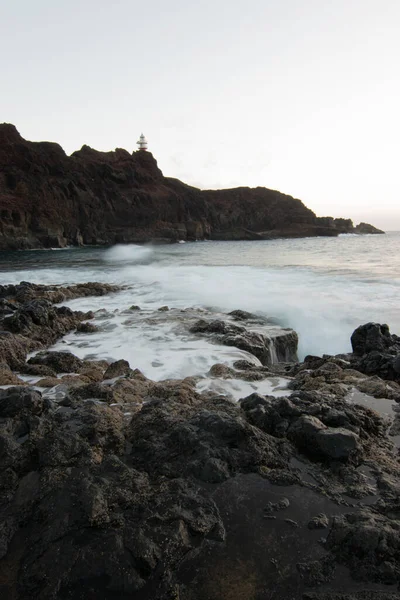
x=116, y=486
x=51, y=200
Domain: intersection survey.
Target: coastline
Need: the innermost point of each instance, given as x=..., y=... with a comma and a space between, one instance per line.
x=49, y=199
x=191, y=493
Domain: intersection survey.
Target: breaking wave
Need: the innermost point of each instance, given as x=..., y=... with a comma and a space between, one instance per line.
x=322, y=288
x=129, y=253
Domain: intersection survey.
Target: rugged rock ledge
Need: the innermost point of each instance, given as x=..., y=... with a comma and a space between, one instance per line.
x=29, y=320
x=49, y=199
x=115, y=486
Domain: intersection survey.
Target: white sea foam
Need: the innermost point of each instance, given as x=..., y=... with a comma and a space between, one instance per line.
x=161, y=350
x=324, y=309
x=236, y=388
x=323, y=288
x=128, y=253
x=321, y=309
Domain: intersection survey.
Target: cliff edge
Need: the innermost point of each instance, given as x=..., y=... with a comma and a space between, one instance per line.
x=49, y=199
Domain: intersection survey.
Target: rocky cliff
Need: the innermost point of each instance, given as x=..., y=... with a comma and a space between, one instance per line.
x=49, y=199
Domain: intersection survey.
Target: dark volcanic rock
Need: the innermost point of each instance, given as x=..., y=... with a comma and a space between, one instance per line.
x=243, y=315
x=313, y=437
x=279, y=346
x=87, y=328
x=173, y=503
x=150, y=490
x=49, y=199
x=40, y=370
x=69, y=480
x=366, y=228
x=337, y=443
x=7, y=377
x=324, y=432
x=14, y=348
x=59, y=362
x=363, y=595
x=41, y=321
x=117, y=369
x=378, y=349
x=25, y=291
x=206, y=436
x=369, y=544
x=379, y=363
x=346, y=226
x=6, y=308
x=35, y=322
x=373, y=337
x=14, y=401
x=93, y=390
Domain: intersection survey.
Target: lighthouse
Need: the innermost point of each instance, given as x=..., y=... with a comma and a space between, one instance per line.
x=142, y=142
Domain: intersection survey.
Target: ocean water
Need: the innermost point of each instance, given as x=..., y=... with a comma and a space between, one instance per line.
x=321, y=287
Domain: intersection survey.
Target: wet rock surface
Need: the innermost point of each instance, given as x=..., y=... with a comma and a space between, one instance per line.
x=30, y=321
x=117, y=368
x=26, y=291
x=377, y=351
x=182, y=498
x=275, y=345
x=87, y=328
x=116, y=486
x=256, y=336
x=59, y=362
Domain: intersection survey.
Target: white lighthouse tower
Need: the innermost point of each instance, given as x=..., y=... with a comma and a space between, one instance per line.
x=142, y=142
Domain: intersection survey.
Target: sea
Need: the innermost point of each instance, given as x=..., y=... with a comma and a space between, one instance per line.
x=323, y=288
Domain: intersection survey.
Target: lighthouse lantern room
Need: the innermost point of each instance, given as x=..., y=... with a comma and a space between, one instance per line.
x=142, y=142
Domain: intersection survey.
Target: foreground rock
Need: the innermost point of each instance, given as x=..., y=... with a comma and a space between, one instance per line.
x=194, y=496
x=59, y=362
x=29, y=320
x=96, y=197
x=35, y=325
x=14, y=295
x=116, y=486
x=264, y=340
x=377, y=351
x=269, y=345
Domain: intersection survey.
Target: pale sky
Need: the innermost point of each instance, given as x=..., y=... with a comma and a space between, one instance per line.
x=302, y=96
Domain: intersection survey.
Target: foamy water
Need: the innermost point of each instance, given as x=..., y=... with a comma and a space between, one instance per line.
x=128, y=253
x=321, y=287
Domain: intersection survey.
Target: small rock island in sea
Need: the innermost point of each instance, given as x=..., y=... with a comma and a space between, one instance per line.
x=49, y=199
